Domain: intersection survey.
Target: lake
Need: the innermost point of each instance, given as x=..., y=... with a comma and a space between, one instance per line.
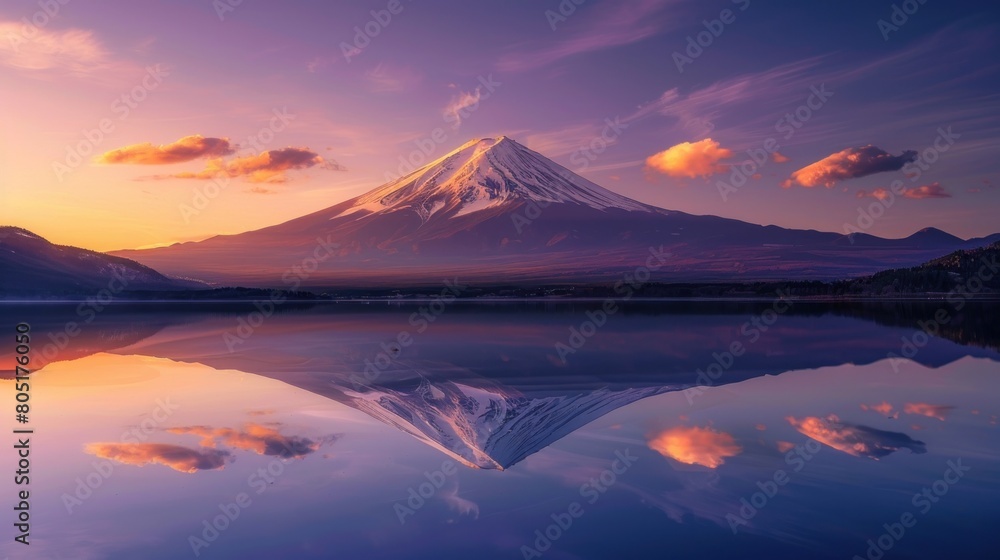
x=532, y=429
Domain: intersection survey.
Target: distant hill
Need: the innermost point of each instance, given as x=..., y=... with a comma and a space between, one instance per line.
x=939, y=275
x=32, y=266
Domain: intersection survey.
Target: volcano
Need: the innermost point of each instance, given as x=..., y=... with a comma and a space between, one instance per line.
x=496, y=212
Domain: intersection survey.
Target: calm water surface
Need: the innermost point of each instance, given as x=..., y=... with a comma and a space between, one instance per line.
x=670, y=430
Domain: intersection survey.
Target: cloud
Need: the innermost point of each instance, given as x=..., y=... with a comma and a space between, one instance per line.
x=461, y=105
x=177, y=457
x=695, y=446
x=266, y=167
x=938, y=411
x=76, y=51
x=777, y=157
x=690, y=159
x=849, y=163
x=933, y=190
x=255, y=437
x=860, y=441
x=602, y=28
x=459, y=504
x=186, y=149
x=883, y=408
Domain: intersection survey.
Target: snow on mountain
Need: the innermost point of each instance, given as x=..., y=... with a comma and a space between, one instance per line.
x=489, y=427
x=486, y=173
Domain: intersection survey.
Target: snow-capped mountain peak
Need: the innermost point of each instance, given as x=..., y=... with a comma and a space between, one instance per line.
x=482, y=174
x=490, y=426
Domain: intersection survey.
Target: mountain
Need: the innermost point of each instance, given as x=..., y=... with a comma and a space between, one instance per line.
x=495, y=211
x=30, y=265
x=488, y=427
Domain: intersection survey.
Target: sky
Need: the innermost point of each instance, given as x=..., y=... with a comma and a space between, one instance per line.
x=135, y=125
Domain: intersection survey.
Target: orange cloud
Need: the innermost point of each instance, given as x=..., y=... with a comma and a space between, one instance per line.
x=266, y=167
x=849, y=163
x=930, y=410
x=860, y=441
x=254, y=437
x=784, y=446
x=186, y=149
x=690, y=159
x=177, y=457
x=695, y=446
x=778, y=158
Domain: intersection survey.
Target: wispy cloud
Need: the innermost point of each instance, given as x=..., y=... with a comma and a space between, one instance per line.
x=457, y=108
x=604, y=26
x=459, y=504
x=938, y=411
x=932, y=190
x=76, y=51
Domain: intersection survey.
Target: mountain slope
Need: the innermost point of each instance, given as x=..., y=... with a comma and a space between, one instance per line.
x=490, y=427
x=973, y=270
x=495, y=211
x=30, y=265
